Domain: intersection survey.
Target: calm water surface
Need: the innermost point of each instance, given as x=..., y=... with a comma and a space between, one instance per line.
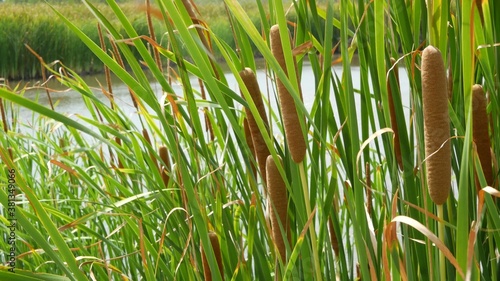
x=71, y=103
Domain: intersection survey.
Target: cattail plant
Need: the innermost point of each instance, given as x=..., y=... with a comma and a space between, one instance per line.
x=259, y=145
x=436, y=135
x=214, y=241
x=279, y=206
x=163, y=151
x=293, y=131
x=333, y=236
x=436, y=125
x=480, y=133
x=369, y=196
x=392, y=111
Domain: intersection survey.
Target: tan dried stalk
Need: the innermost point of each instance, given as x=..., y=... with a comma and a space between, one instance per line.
x=392, y=111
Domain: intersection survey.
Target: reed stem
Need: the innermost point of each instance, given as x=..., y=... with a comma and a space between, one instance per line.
x=305, y=189
x=442, y=264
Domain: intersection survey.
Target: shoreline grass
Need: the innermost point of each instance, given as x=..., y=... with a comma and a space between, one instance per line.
x=36, y=26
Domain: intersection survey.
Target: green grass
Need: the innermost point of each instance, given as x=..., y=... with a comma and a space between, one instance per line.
x=34, y=25
x=92, y=202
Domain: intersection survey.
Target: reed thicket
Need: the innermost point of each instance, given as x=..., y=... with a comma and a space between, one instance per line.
x=165, y=188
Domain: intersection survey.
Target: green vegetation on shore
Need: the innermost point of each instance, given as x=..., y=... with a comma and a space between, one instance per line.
x=36, y=25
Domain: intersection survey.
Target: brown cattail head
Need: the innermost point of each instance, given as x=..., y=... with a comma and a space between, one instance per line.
x=214, y=241
x=293, y=131
x=333, y=238
x=165, y=165
x=436, y=125
x=11, y=154
x=368, y=179
x=480, y=132
x=62, y=144
x=279, y=206
x=260, y=147
x=392, y=111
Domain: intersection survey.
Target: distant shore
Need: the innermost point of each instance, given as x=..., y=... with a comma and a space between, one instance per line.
x=37, y=26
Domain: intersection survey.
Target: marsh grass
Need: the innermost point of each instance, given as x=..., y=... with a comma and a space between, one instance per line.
x=35, y=25
x=94, y=201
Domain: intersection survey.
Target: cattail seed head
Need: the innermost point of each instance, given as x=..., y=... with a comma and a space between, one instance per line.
x=214, y=241
x=279, y=206
x=368, y=180
x=259, y=145
x=480, y=132
x=165, y=165
x=436, y=125
x=333, y=238
x=293, y=131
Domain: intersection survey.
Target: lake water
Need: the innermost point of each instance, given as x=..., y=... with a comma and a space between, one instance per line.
x=70, y=102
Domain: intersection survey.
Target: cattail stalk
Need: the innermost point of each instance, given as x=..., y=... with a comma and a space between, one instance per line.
x=119, y=60
x=107, y=73
x=260, y=147
x=279, y=206
x=44, y=75
x=436, y=125
x=368, y=189
x=119, y=142
x=480, y=133
x=392, y=111
x=190, y=8
x=145, y=134
x=293, y=131
x=208, y=124
x=214, y=241
x=152, y=35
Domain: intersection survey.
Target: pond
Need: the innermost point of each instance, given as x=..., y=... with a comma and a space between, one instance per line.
x=70, y=102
